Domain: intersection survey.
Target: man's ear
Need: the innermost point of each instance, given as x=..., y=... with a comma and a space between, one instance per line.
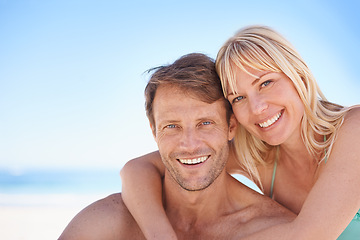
x=233, y=124
x=153, y=130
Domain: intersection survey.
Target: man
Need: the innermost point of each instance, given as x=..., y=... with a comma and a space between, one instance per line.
x=192, y=124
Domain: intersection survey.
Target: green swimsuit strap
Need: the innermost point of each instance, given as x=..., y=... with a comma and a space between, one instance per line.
x=274, y=172
x=273, y=179
x=325, y=150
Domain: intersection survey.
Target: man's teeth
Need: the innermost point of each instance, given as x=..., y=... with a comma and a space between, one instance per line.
x=194, y=160
x=270, y=121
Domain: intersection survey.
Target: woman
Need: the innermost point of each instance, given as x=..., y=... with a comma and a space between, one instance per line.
x=300, y=149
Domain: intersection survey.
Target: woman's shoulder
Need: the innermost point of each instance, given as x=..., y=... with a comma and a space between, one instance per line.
x=353, y=114
x=351, y=121
x=348, y=135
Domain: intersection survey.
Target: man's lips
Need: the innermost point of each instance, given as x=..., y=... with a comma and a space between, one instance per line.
x=192, y=161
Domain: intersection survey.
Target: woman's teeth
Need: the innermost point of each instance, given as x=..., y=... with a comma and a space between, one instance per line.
x=194, y=160
x=270, y=121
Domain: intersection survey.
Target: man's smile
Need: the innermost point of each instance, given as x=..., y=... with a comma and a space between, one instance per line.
x=192, y=161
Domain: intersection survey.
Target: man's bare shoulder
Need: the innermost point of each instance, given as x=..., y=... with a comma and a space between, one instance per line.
x=272, y=209
x=107, y=219
x=262, y=213
x=252, y=212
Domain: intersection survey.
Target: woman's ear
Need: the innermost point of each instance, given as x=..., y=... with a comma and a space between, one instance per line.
x=233, y=124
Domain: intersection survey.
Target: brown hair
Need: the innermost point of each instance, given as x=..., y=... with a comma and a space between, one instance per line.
x=195, y=73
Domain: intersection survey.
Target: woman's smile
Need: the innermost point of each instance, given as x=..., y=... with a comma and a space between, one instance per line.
x=268, y=106
x=270, y=121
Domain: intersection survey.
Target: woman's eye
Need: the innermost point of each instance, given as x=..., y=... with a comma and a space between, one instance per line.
x=264, y=84
x=237, y=99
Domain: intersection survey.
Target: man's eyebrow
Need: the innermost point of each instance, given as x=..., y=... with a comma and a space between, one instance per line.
x=167, y=121
x=231, y=93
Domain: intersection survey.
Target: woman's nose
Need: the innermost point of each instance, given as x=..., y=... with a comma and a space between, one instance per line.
x=258, y=104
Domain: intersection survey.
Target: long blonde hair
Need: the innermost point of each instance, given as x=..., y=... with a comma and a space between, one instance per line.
x=261, y=48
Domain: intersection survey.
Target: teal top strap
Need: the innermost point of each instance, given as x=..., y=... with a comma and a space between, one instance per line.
x=274, y=171
x=351, y=232
x=325, y=150
x=273, y=179
x=353, y=229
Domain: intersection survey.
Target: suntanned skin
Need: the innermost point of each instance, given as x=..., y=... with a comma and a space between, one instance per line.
x=216, y=207
x=105, y=219
x=224, y=216
x=276, y=99
x=227, y=218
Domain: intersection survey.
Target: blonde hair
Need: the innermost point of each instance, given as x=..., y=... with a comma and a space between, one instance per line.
x=261, y=48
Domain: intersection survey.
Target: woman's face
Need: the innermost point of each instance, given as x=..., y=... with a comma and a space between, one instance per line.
x=267, y=105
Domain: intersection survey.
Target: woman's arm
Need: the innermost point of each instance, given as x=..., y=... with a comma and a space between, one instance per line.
x=335, y=197
x=142, y=194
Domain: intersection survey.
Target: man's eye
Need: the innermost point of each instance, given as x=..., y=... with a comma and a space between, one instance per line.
x=206, y=123
x=171, y=126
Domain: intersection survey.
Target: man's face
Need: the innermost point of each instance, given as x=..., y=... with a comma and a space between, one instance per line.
x=192, y=137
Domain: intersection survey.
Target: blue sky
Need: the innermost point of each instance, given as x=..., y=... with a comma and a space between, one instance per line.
x=71, y=72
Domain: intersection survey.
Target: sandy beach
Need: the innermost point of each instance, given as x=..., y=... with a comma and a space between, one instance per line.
x=37, y=204
x=27, y=223
x=39, y=217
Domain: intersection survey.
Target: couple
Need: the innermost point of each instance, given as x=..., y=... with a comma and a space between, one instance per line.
x=300, y=149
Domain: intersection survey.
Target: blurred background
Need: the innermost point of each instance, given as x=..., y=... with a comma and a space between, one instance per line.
x=72, y=81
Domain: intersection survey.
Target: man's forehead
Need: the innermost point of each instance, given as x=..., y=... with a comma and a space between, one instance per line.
x=177, y=88
x=175, y=101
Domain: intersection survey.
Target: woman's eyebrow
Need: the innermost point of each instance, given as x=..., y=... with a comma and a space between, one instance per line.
x=258, y=79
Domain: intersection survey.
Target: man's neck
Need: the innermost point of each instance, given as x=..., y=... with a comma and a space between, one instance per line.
x=186, y=209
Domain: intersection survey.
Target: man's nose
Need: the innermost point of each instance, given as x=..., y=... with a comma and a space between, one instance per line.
x=190, y=139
